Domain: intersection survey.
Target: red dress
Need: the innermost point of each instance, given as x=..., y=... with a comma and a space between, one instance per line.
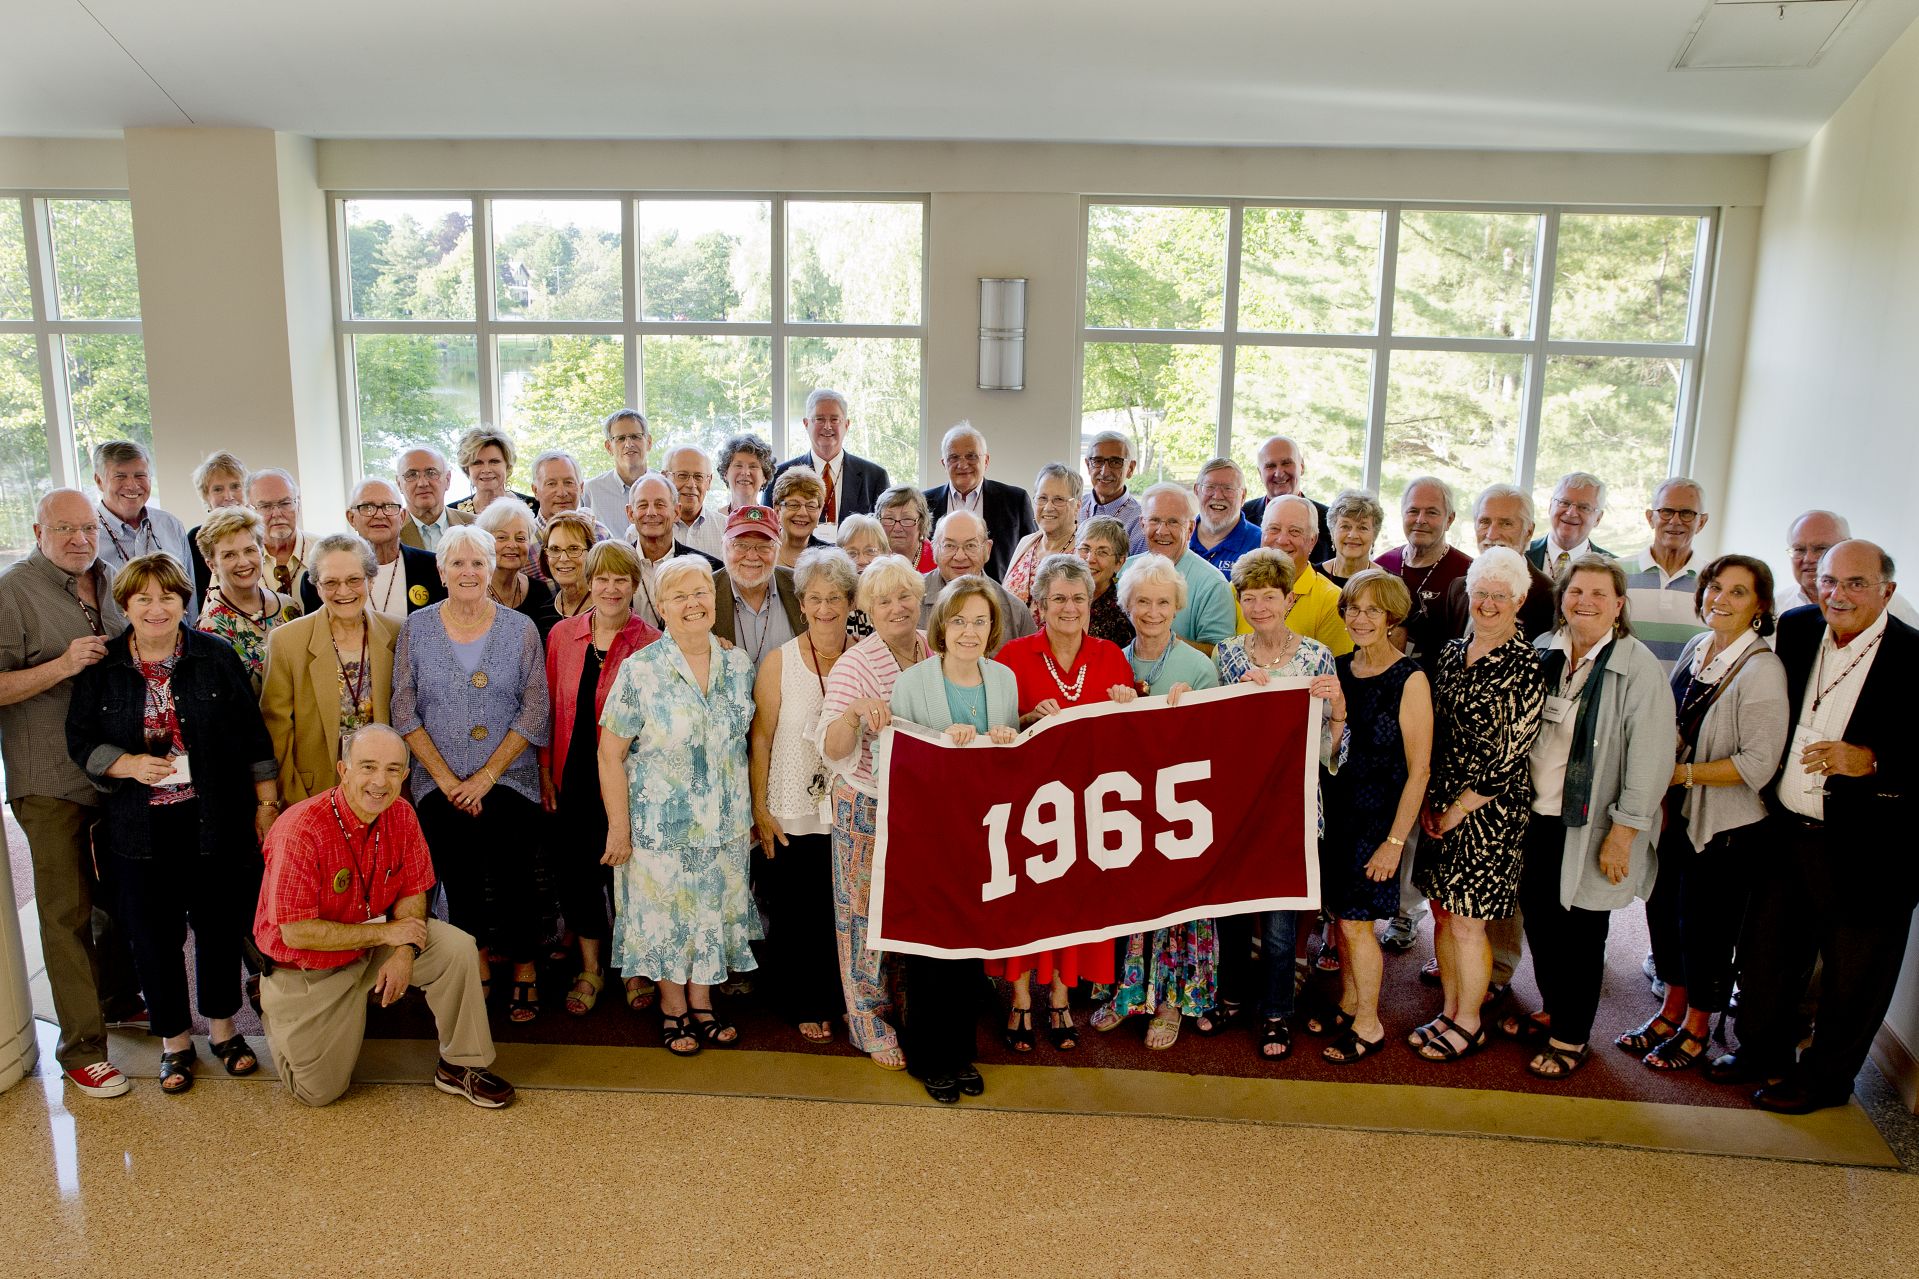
x=1105, y=665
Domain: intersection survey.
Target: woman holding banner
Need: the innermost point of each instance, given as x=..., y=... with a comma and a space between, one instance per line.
x=854, y=708
x=963, y=695
x=1172, y=973
x=1058, y=668
x=1263, y=581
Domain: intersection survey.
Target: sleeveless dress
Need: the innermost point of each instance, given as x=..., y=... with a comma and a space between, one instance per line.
x=1363, y=796
x=796, y=786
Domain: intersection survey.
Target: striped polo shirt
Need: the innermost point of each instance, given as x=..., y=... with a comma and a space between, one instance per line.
x=1662, y=607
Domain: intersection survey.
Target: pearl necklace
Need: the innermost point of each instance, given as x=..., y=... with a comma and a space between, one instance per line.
x=1059, y=682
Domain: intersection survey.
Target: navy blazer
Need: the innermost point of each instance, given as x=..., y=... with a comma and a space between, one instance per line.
x=1009, y=517
x=1255, y=512
x=861, y=483
x=422, y=570
x=1870, y=817
x=226, y=739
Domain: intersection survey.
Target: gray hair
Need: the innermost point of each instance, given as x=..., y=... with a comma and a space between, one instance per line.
x=1505, y=566
x=1312, y=512
x=1059, y=471
x=1356, y=504
x=439, y=458
x=498, y=515
x=1104, y=528
x=556, y=455
x=686, y=446
x=109, y=452
x=1839, y=521
x=373, y=731
x=679, y=566
x=907, y=495
x=854, y=525
x=1120, y=438
x=365, y=480
x=1212, y=464
x=819, y=393
x=273, y=473
x=633, y=490
x=1445, y=492
x=1507, y=490
x=831, y=563
x=749, y=443
x=1054, y=567
x=957, y=513
x=469, y=537
x=959, y=431
x=1150, y=570
x=1681, y=481
x=1582, y=480
x=1187, y=500
x=351, y=543
x=626, y=415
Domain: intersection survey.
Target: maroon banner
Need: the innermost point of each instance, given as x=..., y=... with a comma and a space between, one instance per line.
x=1099, y=822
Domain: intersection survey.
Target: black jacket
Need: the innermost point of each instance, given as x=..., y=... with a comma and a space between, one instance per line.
x=423, y=584
x=1009, y=517
x=861, y=483
x=1255, y=513
x=227, y=743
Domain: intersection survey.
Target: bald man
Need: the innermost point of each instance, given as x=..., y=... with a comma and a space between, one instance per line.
x=1808, y=538
x=1282, y=465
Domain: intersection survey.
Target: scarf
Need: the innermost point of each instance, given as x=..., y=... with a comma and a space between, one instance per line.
x=1576, y=807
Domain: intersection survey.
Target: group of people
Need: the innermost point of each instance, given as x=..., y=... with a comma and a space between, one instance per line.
x=623, y=717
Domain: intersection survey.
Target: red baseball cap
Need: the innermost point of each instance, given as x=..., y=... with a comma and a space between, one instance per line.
x=753, y=521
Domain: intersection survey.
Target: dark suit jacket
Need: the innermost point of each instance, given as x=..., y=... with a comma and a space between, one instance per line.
x=723, y=624
x=410, y=532
x=861, y=483
x=202, y=575
x=1536, y=553
x=1009, y=517
x=1535, y=611
x=1870, y=817
x=422, y=572
x=1255, y=511
x=466, y=503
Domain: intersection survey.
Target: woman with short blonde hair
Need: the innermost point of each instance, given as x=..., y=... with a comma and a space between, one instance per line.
x=240, y=607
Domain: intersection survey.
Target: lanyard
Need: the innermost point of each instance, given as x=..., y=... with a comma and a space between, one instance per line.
x=1840, y=678
x=146, y=530
x=373, y=836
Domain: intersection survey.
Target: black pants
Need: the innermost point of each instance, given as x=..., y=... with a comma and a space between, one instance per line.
x=1265, y=980
x=584, y=885
x=940, y=1033
x=801, y=955
x=118, y=982
x=1569, y=946
x=1811, y=899
x=1697, y=907
x=488, y=866
x=161, y=895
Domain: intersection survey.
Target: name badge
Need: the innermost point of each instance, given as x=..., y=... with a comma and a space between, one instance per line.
x=1556, y=708
x=181, y=774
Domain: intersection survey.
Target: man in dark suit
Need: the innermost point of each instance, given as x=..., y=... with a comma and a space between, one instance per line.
x=1005, y=508
x=1578, y=504
x=1281, y=465
x=407, y=578
x=853, y=484
x=756, y=606
x=1835, y=877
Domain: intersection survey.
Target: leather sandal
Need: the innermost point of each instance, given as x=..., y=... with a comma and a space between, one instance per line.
x=176, y=1071
x=674, y=1030
x=231, y=1052
x=1644, y=1039
x=523, y=1005
x=581, y=1004
x=1019, y=1035
x=1274, y=1030
x=1060, y=1030
x=712, y=1028
x=1671, y=1054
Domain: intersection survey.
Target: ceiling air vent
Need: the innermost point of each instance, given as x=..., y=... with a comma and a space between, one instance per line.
x=1745, y=34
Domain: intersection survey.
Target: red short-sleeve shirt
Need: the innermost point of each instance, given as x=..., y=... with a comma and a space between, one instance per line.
x=1103, y=661
x=323, y=862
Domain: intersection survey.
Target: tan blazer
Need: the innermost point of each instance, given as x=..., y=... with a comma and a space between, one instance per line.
x=301, y=699
x=410, y=532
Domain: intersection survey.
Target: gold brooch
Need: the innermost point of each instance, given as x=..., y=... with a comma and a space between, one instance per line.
x=479, y=679
x=479, y=732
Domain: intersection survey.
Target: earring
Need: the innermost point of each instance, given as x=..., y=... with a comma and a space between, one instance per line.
x=1757, y=621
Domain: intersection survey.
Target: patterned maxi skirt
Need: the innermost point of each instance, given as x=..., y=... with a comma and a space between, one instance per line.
x=865, y=974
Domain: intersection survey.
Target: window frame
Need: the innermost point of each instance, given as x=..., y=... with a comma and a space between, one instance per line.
x=487, y=329
x=1539, y=347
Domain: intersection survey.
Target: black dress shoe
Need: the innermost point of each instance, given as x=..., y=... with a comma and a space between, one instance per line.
x=1741, y=1068
x=1793, y=1099
x=942, y=1090
x=969, y=1082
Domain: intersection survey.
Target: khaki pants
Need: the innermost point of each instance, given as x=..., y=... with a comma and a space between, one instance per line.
x=60, y=841
x=1507, y=937
x=316, y=1021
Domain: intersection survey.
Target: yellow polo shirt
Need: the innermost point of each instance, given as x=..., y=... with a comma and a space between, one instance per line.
x=1315, y=613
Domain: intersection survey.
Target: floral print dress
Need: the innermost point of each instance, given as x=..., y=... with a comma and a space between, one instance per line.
x=245, y=631
x=684, y=911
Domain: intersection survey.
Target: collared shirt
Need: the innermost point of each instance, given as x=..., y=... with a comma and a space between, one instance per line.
x=323, y=862
x=1661, y=606
x=828, y=529
x=1124, y=508
x=40, y=616
x=1825, y=708
x=296, y=560
x=430, y=534
x=1208, y=615
x=1557, y=559
x=606, y=498
x=155, y=530
x=1899, y=606
x=974, y=501
x=759, y=631
x=1243, y=537
x=708, y=533
x=646, y=597
x=1315, y=613
x=1552, y=749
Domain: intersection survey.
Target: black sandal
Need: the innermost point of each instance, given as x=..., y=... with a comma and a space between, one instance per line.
x=1439, y=1048
x=1064, y=1038
x=675, y=1028
x=1525, y=1027
x=943, y=1090
x=519, y=1002
x=710, y=1026
x=177, y=1066
x=229, y=1051
x=1671, y=1054
x=1329, y=1021
x=1564, y=1060
x=1647, y=1037
x=1217, y=1020
x=1019, y=1035
x=1350, y=1048
x=969, y=1081
x=1275, y=1031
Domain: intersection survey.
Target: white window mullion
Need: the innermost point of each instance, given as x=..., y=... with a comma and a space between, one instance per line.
x=777, y=425
x=1526, y=462
x=1229, y=329
x=485, y=355
x=1374, y=468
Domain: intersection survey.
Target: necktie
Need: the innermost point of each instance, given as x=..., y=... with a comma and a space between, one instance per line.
x=827, y=514
x=1561, y=561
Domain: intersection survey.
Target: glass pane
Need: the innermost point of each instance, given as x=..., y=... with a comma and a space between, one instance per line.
x=1615, y=418
x=1456, y=416
x=1465, y=275
x=1318, y=397
x=880, y=378
x=16, y=290
x=849, y=262
x=1155, y=267
x=1165, y=396
x=1623, y=277
x=706, y=260
x=557, y=259
x=94, y=273
x=410, y=259
x=1310, y=270
x=704, y=389
x=414, y=389
x=555, y=391
x=24, y=473
x=107, y=386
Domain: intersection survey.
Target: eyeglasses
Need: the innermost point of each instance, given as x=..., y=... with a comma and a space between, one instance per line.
x=970, y=459
x=275, y=507
x=565, y=552
x=1372, y=612
x=366, y=510
x=1850, y=585
x=1218, y=490
x=1057, y=601
x=431, y=474
x=1105, y=463
x=971, y=546
x=1042, y=502
x=627, y=437
x=1154, y=521
x=900, y=521
x=1490, y=597
x=688, y=597
x=796, y=505
x=688, y=477
x=1676, y=515
x=88, y=531
x=354, y=583
x=1584, y=508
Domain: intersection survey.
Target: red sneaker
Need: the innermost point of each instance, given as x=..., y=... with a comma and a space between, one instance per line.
x=99, y=1079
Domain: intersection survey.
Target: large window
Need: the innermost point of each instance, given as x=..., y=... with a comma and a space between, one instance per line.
x=72, y=365
x=713, y=314
x=1509, y=344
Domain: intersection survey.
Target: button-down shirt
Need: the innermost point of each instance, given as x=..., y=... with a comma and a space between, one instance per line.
x=1557, y=559
x=645, y=599
x=430, y=534
x=828, y=529
x=708, y=533
x=155, y=530
x=1552, y=749
x=1825, y=708
x=1124, y=508
x=606, y=498
x=296, y=561
x=323, y=862
x=40, y=616
x=974, y=501
x=759, y=631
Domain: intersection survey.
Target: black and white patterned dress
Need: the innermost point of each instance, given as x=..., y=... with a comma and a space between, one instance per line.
x=1485, y=717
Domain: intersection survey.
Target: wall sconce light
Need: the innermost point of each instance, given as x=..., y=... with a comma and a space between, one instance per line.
x=1002, y=335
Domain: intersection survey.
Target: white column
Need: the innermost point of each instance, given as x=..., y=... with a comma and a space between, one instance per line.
x=18, y=1049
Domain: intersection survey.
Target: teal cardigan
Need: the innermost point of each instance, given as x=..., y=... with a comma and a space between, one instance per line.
x=919, y=696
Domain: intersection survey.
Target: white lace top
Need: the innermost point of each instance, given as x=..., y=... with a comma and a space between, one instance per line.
x=796, y=787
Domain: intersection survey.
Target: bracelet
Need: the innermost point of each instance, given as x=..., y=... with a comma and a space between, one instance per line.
x=414, y=947
x=1395, y=841
x=274, y=804
x=1688, y=781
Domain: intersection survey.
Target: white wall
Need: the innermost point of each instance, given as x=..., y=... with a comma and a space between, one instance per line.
x=1826, y=415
